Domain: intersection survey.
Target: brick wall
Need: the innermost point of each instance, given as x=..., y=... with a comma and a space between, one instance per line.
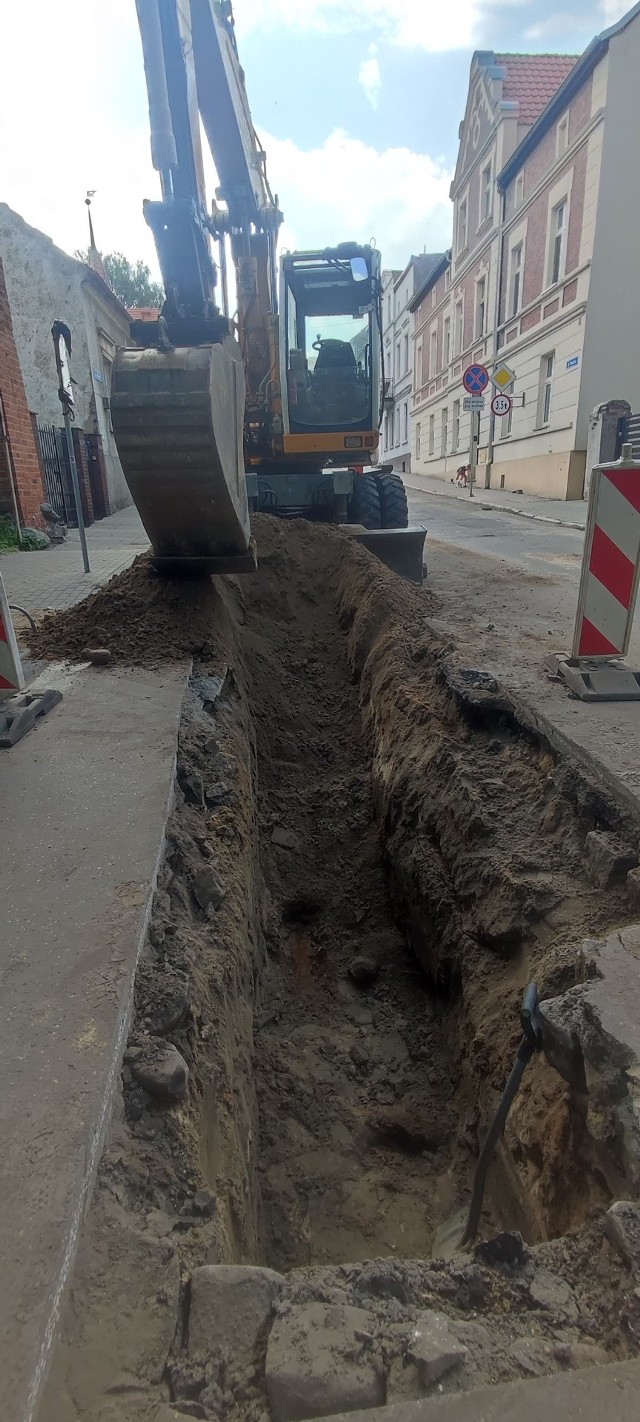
x=28, y=476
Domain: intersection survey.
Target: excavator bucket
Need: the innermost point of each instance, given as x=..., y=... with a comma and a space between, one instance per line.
x=402, y=549
x=177, y=418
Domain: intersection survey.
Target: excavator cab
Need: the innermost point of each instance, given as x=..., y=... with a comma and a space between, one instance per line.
x=330, y=340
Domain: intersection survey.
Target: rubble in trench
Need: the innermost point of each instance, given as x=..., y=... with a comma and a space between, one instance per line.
x=367, y=861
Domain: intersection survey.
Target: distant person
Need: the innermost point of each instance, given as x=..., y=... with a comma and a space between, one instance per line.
x=462, y=476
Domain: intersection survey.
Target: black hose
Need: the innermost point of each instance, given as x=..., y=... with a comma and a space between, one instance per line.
x=13, y=607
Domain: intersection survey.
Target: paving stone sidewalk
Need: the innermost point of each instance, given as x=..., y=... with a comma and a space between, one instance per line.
x=54, y=577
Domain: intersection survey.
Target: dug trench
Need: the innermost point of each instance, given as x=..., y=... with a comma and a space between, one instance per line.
x=368, y=859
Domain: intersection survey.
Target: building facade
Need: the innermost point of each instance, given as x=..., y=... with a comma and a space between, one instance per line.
x=456, y=308
x=398, y=290
x=542, y=274
x=21, y=486
x=44, y=284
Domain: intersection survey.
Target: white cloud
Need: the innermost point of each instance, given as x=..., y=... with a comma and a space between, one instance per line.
x=347, y=190
x=613, y=10
x=416, y=24
x=369, y=76
x=61, y=117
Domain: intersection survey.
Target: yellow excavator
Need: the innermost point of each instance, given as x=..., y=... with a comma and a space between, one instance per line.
x=277, y=409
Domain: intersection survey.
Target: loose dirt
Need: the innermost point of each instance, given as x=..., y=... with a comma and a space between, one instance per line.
x=392, y=856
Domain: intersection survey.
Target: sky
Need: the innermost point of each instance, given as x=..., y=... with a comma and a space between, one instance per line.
x=357, y=103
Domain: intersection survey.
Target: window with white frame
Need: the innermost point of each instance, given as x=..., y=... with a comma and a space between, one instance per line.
x=386, y=430
x=505, y=424
x=405, y=422
x=406, y=354
x=481, y=307
x=432, y=433
x=388, y=310
x=558, y=242
x=546, y=387
x=463, y=219
x=519, y=190
x=458, y=329
x=486, y=192
x=419, y=371
x=455, y=426
x=397, y=370
x=444, y=433
x=446, y=342
x=515, y=280
x=433, y=353
x=418, y=439
x=562, y=136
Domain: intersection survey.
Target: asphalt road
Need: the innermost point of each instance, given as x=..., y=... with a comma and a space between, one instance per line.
x=543, y=548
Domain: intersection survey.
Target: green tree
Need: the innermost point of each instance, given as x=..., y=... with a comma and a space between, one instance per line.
x=131, y=282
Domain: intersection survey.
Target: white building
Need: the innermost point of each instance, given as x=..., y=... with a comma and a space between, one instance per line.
x=398, y=290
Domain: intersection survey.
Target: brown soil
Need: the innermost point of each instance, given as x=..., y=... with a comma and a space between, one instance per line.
x=378, y=802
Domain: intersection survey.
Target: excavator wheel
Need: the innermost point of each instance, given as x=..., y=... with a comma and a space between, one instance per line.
x=365, y=501
x=394, y=511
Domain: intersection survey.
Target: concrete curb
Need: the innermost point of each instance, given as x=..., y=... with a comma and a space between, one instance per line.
x=477, y=502
x=78, y=897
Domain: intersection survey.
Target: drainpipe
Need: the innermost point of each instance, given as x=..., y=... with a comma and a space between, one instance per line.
x=496, y=319
x=4, y=438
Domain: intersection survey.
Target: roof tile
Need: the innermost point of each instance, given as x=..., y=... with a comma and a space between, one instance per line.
x=532, y=80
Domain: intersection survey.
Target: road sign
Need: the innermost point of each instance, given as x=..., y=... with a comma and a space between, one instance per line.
x=475, y=379
x=501, y=404
x=503, y=376
x=473, y=403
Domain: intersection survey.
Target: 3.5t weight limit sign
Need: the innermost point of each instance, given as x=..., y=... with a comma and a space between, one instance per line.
x=501, y=404
x=475, y=379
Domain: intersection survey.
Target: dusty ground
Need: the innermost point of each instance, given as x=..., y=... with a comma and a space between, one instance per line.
x=368, y=860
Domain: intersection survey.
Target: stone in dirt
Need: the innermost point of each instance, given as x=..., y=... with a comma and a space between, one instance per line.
x=621, y=1225
x=285, y=838
x=433, y=1347
x=505, y=1248
x=363, y=971
x=208, y=889
x=217, y=793
x=159, y=1223
x=532, y=1356
x=192, y=788
x=580, y=1355
x=204, y=1202
x=230, y=1307
x=550, y=1292
x=98, y=656
x=607, y=858
x=318, y=1363
x=162, y=1070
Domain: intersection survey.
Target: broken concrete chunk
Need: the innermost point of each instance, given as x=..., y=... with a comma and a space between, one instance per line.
x=363, y=971
x=607, y=858
x=318, y=1363
x=159, y=1223
x=286, y=838
x=434, y=1347
x=161, y=1069
x=621, y=1225
x=208, y=888
x=230, y=1307
x=204, y=1203
x=550, y=1292
x=532, y=1356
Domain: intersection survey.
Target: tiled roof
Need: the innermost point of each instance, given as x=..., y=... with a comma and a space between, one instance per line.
x=532, y=80
x=143, y=313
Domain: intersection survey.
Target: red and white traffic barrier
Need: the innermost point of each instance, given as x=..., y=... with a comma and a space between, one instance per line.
x=610, y=563
x=608, y=586
x=11, y=674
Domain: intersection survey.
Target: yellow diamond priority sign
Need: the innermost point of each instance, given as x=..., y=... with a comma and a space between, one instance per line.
x=503, y=376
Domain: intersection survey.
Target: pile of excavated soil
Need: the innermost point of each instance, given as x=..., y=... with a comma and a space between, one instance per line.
x=140, y=618
x=368, y=859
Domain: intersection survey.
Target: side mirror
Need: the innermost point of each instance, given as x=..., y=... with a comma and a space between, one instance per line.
x=359, y=269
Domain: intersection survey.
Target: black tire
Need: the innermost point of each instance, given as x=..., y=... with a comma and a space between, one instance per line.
x=394, y=509
x=365, y=501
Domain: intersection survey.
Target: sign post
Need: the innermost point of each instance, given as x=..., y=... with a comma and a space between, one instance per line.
x=475, y=381
x=62, y=348
x=608, y=587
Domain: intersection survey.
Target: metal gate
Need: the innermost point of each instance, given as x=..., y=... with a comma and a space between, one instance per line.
x=57, y=475
x=629, y=433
